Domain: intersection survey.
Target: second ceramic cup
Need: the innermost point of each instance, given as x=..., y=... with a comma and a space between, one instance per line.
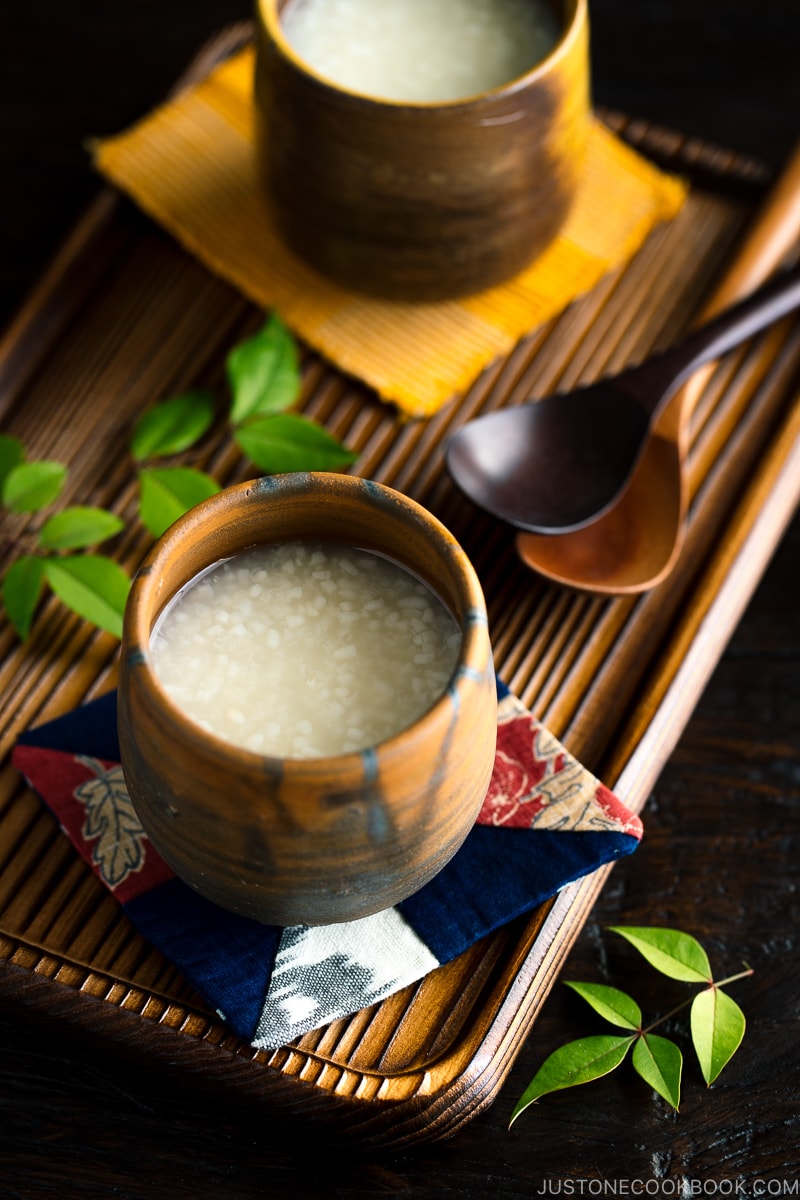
x=421, y=201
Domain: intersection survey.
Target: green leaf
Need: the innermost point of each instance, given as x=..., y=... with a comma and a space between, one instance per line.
x=290, y=442
x=12, y=452
x=718, y=1026
x=675, y=954
x=263, y=373
x=577, y=1062
x=33, y=485
x=659, y=1062
x=168, y=492
x=77, y=527
x=617, y=1007
x=21, y=588
x=93, y=586
x=172, y=426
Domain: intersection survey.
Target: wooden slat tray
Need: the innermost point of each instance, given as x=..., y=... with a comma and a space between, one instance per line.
x=125, y=317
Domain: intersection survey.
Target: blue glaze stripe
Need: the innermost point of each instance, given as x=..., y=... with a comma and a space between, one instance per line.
x=471, y=673
x=373, y=490
x=370, y=760
x=379, y=825
x=476, y=617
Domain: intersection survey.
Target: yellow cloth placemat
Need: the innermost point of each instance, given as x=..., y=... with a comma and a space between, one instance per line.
x=190, y=165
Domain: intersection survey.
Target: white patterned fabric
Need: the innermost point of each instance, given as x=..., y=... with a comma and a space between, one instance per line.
x=323, y=970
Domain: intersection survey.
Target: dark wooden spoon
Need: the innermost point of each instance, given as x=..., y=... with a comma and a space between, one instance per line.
x=557, y=464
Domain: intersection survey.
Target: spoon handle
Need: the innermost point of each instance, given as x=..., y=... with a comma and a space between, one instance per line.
x=655, y=380
x=770, y=239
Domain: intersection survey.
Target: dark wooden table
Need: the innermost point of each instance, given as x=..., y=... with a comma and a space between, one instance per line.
x=721, y=852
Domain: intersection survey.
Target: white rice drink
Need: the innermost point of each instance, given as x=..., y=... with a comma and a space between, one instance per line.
x=420, y=50
x=304, y=649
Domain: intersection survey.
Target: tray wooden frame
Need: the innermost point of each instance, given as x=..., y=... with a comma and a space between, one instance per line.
x=122, y=318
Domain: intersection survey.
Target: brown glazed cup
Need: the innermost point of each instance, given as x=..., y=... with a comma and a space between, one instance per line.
x=414, y=201
x=313, y=841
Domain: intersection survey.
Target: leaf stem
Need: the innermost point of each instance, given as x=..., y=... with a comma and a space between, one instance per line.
x=672, y=1012
x=712, y=983
x=733, y=978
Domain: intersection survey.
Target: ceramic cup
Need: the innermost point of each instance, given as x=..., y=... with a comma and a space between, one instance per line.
x=316, y=840
x=417, y=201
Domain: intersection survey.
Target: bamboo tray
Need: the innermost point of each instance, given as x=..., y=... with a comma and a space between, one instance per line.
x=124, y=317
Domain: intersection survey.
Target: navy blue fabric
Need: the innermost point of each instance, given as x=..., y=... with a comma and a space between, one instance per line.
x=90, y=729
x=229, y=959
x=498, y=874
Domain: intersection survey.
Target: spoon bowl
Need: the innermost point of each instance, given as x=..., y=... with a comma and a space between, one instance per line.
x=558, y=464
x=636, y=541
x=550, y=466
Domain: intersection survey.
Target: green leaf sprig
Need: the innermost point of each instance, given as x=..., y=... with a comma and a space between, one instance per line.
x=264, y=380
x=92, y=585
x=169, y=428
x=717, y=1024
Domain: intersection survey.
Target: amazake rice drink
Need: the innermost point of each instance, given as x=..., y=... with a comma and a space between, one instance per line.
x=304, y=649
x=420, y=50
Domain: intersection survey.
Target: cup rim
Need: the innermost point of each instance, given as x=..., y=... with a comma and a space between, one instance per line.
x=144, y=606
x=267, y=16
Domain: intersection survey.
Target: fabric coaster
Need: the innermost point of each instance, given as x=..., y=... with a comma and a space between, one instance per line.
x=545, y=822
x=190, y=165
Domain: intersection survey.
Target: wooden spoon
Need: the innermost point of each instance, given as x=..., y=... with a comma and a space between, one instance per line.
x=557, y=464
x=635, y=545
